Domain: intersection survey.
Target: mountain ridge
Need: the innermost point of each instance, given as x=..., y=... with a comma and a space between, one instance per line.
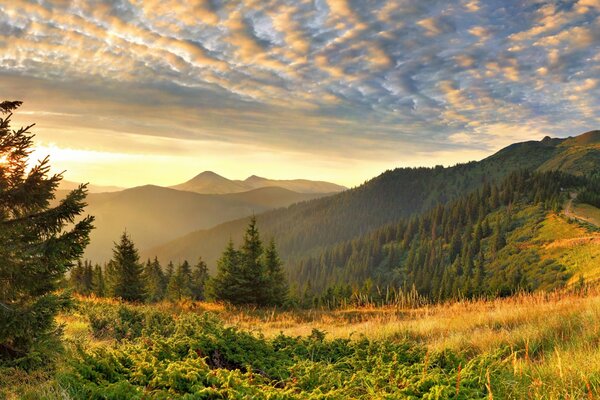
x=303, y=229
x=209, y=182
x=154, y=214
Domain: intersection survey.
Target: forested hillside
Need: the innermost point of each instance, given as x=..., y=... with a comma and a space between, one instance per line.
x=303, y=229
x=480, y=244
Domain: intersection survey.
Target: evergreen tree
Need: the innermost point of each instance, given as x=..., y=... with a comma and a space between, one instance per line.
x=250, y=275
x=110, y=278
x=199, y=280
x=76, y=277
x=128, y=279
x=169, y=273
x=276, y=280
x=253, y=289
x=227, y=282
x=98, y=282
x=179, y=286
x=87, y=278
x=38, y=244
x=154, y=280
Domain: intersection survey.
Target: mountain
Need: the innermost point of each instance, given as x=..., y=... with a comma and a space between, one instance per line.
x=154, y=214
x=209, y=182
x=306, y=229
x=65, y=186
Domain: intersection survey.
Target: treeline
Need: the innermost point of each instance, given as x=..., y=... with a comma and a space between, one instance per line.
x=252, y=274
x=591, y=192
x=454, y=250
x=151, y=281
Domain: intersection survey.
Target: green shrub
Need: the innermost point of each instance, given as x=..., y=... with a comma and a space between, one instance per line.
x=196, y=357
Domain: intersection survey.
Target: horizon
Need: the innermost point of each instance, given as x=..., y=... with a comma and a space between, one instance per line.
x=247, y=177
x=128, y=93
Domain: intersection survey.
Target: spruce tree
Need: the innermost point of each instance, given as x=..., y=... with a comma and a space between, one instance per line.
x=199, y=280
x=226, y=283
x=253, y=288
x=128, y=279
x=276, y=281
x=180, y=284
x=154, y=280
x=76, y=277
x=250, y=275
x=98, y=282
x=38, y=245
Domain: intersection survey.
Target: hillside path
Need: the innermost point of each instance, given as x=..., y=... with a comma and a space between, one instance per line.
x=570, y=213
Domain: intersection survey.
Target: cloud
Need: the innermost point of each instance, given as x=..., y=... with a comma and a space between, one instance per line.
x=375, y=81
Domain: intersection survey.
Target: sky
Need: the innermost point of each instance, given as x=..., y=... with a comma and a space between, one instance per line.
x=130, y=92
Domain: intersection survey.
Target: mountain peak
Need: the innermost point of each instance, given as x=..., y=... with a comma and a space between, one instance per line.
x=254, y=178
x=208, y=174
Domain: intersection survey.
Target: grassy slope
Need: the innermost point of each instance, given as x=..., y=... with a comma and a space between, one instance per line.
x=541, y=346
x=553, y=237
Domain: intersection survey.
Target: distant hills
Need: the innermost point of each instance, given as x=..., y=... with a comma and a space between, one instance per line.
x=308, y=228
x=69, y=185
x=209, y=182
x=153, y=214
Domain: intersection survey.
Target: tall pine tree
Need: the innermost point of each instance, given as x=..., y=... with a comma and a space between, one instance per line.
x=276, y=281
x=154, y=280
x=38, y=244
x=128, y=280
x=199, y=280
x=180, y=284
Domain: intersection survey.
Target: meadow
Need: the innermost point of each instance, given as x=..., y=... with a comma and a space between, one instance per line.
x=541, y=346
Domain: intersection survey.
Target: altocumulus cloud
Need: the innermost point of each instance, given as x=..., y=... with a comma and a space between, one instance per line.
x=343, y=79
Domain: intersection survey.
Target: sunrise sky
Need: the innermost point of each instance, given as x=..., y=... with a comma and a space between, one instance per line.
x=128, y=92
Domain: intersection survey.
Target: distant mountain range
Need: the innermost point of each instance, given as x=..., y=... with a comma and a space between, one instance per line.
x=306, y=229
x=69, y=185
x=153, y=214
x=209, y=182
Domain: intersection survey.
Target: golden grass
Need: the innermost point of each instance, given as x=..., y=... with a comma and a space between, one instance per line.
x=550, y=341
x=572, y=245
x=588, y=213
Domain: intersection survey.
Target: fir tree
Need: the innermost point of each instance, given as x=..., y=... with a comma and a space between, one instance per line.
x=227, y=282
x=154, y=280
x=128, y=279
x=276, y=281
x=253, y=288
x=180, y=284
x=38, y=244
x=199, y=280
x=169, y=273
x=98, y=282
x=250, y=275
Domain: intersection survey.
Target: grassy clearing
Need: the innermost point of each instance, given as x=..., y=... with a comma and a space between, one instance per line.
x=542, y=346
x=588, y=213
x=571, y=244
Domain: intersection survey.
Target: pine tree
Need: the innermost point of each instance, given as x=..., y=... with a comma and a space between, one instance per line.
x=276, y=281
x=227, y=282
x=253, y=289
x=250, y=275
x=154, y=281
x=128, y=280
x=179, y=286
x=76, y=277
x=199, y=280
x=98, y=282
x=38, y=244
